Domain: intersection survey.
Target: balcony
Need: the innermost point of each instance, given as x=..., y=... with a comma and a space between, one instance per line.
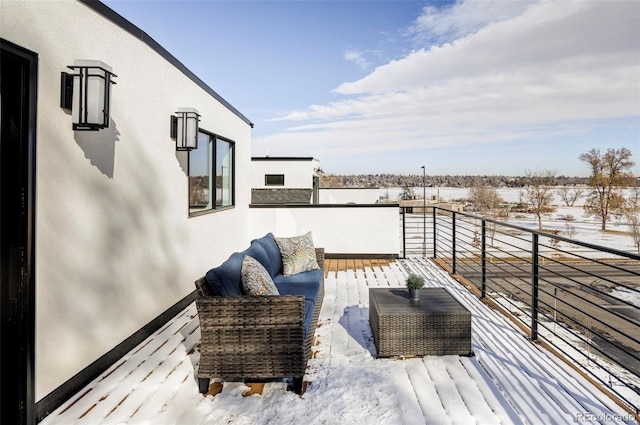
x=511, y=379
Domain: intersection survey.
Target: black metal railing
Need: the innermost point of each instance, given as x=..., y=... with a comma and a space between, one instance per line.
x=417, y=231
x=578, y=297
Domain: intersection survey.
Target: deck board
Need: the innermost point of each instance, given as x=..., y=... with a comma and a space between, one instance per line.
x=509, y=381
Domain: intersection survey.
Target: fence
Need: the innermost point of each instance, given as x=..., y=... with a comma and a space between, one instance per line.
x=577, y=297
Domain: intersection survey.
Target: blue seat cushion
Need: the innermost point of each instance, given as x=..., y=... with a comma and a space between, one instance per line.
x=268, y=243
x=224, y=280
x=306, y=284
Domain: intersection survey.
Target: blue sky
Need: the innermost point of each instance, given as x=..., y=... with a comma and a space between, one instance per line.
x=467, y=87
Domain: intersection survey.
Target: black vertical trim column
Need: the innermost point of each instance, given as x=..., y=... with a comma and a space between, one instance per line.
x=18, y=86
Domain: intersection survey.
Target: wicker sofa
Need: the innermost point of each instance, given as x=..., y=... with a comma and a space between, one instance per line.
x=254, y=338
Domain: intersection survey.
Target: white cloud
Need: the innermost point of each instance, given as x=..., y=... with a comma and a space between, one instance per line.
x=463, y=18
x=358, y=58
x=514, y=73
x=548, y=37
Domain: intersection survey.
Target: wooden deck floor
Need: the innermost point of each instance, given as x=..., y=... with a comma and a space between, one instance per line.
x=509, y=381
x=334, y=265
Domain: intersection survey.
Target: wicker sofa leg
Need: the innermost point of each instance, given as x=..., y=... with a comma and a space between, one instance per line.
x=203, y=385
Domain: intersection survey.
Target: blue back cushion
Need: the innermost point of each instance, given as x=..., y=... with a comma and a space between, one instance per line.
x=268, y=243
x=257, y=251
x=224, y=280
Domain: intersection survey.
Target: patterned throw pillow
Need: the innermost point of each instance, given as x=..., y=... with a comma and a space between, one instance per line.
x=298, y=254
x=255, y=278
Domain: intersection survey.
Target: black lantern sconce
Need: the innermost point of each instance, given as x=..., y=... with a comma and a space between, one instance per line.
x=184, y=128
x=87, y=94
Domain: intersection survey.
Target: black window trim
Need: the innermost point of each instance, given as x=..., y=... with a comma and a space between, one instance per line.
x=266, y=180
x=214, y=207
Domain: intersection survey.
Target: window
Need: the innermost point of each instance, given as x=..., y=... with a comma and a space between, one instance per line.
x=274, y=179
x=224, y=173
x=211, y=174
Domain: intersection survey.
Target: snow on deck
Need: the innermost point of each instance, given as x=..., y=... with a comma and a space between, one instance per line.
x=509, y=381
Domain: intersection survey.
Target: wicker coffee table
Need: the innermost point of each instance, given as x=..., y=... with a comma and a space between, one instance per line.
x=436, y=325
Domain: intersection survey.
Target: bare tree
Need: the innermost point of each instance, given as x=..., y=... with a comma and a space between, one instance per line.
x=484, y=199
x=632, y=215
x=609, y=173
x=555, y=243
x=198, y=190
x=487, y=202
x=570, y=196
x=571, y=230
x=407, y=193
x=538, y=193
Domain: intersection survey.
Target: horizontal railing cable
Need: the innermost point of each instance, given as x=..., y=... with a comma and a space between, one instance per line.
x=563, y=290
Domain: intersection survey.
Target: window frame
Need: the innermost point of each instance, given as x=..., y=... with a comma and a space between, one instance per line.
x=266, y=180
x=212, y=167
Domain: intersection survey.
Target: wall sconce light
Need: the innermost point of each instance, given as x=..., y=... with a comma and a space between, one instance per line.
x=184, y=128
x=87, y=94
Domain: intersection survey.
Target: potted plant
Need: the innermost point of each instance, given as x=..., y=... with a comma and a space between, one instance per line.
x=414, y=283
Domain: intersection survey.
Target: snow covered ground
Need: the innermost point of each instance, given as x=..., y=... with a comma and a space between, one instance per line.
x=582, y=227
x=509, y=381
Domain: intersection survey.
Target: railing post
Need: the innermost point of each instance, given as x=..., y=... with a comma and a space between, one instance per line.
x=453, y=242
x=483, y=255
x=424, y=230
x=534, y=288
x=434, y=232
x=404, y=232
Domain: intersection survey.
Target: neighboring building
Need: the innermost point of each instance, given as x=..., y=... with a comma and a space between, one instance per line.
x=103, y=232
x=284, y=180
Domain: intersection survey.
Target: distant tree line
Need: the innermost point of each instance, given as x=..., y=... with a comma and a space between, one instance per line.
x=398, y=180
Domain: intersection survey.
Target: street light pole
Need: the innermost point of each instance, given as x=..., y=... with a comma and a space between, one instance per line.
x=424, y=211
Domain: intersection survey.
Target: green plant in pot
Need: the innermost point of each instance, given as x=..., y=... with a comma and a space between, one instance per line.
x=415, y=283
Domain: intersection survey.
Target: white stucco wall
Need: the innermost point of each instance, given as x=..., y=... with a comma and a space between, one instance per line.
x=114, y=244
x=298, y=174
x=338, y=229
x=349, y=196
